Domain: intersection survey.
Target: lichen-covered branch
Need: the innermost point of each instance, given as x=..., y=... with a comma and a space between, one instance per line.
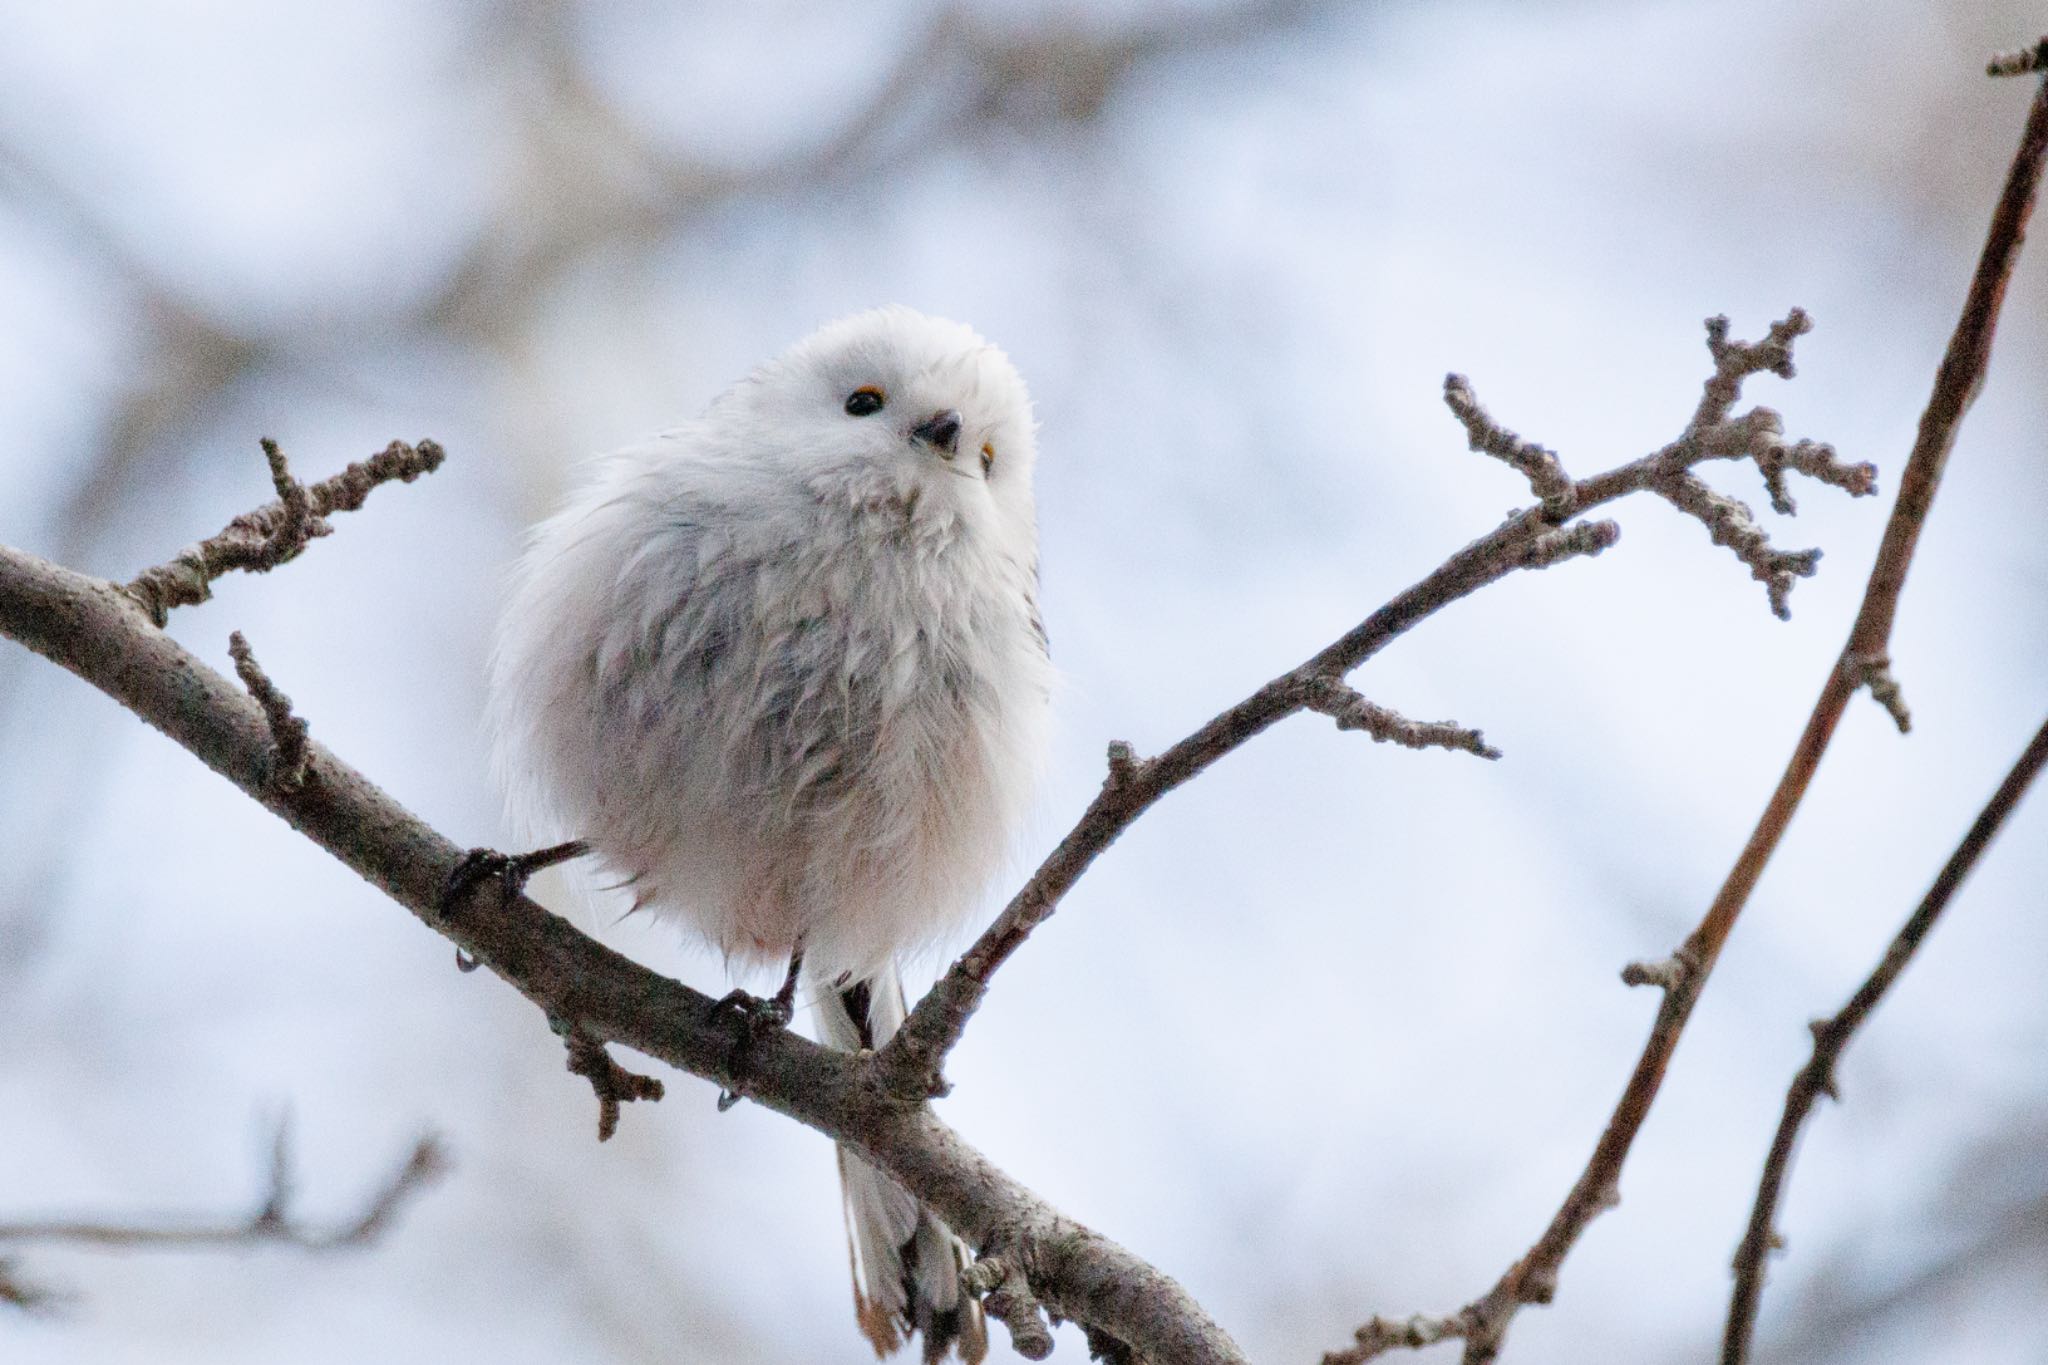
x=1831, y=1036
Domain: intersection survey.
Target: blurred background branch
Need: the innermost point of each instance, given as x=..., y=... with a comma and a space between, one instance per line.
x=274, y=1222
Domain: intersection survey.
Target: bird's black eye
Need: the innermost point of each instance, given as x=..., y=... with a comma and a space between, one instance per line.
x=864, y=401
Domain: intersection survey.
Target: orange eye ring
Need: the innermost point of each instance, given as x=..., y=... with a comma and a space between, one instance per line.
x=988, y=457
x=865, y=401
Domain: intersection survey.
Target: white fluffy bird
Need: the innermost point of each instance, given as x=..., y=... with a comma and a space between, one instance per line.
x=781, y=670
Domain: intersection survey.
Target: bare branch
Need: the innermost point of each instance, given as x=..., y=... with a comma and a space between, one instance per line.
x=1735, y=361
x=1875, y=673
x=1815, y=459
x=1533, y=1278
x=1831, y=1037
x=96, y=630
x=1582, y=539
x=1005, y=1293
x=1382, y=1335
x=1350, y=709
x=612, y=1083
x=286, y=729
x=2019, y=63
x=277, y=532
x=910, y=1064
x=1666, y=974
x=1757, y=435
x=1730, y=523
x=872, y=1104
x=23, y=1294
x=272, y=1224
x=1546, y=476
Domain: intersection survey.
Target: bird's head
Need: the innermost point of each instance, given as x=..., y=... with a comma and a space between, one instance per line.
x=895, y=403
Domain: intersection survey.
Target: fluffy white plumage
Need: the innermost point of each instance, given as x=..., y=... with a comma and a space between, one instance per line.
x=782, y=668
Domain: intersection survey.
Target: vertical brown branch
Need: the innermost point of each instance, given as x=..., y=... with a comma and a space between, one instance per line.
x=1533, y=1278
x=1831, y=1036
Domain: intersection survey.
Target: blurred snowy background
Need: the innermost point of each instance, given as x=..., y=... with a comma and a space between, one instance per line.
x=1332, y=1030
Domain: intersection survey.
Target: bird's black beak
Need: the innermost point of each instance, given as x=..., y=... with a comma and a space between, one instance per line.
x=940, y=431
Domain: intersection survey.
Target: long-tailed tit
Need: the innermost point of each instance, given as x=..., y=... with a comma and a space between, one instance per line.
x=781, y=671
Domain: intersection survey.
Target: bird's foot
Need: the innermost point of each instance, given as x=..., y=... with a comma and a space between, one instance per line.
x=762, y=1014
x=510, y=870
x=757, y=1017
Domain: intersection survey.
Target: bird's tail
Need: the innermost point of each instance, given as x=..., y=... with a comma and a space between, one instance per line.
x=906, y=1263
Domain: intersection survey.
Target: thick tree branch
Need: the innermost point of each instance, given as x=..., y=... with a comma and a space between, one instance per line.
x=1831, y=1037
x=1863, y=662
x=96, y=630
x=910, y=1064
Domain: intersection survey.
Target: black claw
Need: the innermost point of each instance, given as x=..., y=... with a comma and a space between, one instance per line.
x=512, y=870
x=762, y=1015
x=757, y=1018
x=476, y=866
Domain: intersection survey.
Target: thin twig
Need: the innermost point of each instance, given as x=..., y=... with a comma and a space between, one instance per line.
x=287, y=729
x=910, y=1064
x=1005, y=1292
x=1381, y=1335
x=1541, y=467
x=1831, y=1037
x=1533, y=1278
x=274, y=534
x=1729, y=522
x=612, y=1083
x=1352, y=711
x=272, y=1223
x=25, y=1295
x=2020, y=63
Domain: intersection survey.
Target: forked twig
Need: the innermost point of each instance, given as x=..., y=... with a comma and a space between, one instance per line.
x=909, y=1065
x=1863, y=662
x=274, y=534
x=273, y=1222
